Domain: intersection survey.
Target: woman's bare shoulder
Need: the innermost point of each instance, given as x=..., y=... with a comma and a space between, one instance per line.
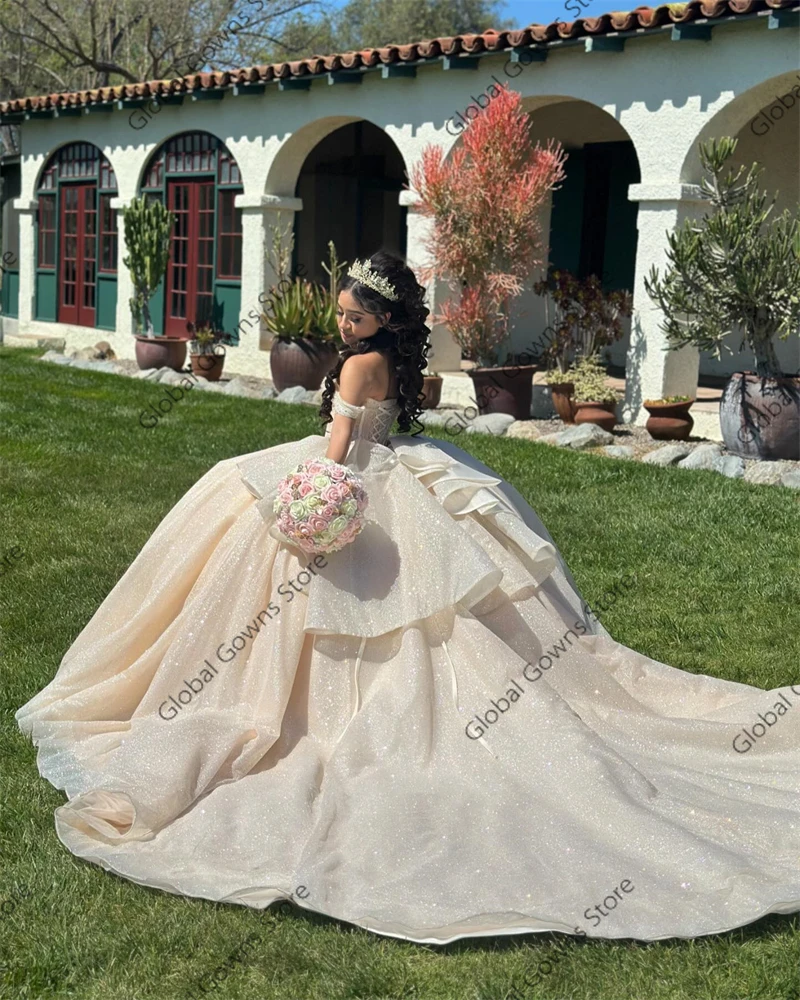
x=364, y=375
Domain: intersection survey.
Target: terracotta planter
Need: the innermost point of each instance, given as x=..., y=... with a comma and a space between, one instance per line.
x=602, y=414
x=669, y=421
x=207, y=366
x=160, y=352
x=301, y=361
x=504, y=390
x=562, y=393
x=431, y=391
x=760, y=417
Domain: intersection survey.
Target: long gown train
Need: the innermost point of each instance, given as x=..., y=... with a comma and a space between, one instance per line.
x=427, y=734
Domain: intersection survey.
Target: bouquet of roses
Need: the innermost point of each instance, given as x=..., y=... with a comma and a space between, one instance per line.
x=320, y=505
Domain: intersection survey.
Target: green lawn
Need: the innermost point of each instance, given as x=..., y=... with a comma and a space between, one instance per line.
x=84, y=485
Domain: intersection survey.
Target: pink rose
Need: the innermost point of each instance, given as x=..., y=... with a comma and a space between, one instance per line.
x=285, y=496
x=329, y=511
x=330, y=494
x=306, y=488
x=337, y=473
x=317, y=523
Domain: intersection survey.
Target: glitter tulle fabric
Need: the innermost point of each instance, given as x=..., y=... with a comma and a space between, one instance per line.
x=427, y=734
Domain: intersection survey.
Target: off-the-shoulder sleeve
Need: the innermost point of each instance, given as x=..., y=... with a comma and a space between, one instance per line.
x=346, y=409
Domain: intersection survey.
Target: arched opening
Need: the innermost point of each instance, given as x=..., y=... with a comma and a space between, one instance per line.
x=766, y=122
x=591, y=226
x=76, y=239
x=350, y=184
x=197, y=178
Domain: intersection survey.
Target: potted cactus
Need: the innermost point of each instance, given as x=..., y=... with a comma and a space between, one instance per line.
x=738, y=270
x=148, y=225
x=207, y=353
x=301, y=316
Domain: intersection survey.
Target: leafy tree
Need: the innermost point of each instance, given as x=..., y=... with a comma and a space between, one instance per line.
x=48, y=47
x=737, y=268
x=373, y=23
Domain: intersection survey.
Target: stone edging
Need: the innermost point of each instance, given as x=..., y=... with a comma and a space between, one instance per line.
x=704, y=455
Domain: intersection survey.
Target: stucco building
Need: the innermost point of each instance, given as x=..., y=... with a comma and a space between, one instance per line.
x=325, y=145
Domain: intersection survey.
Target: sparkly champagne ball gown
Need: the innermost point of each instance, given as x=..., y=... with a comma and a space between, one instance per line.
x=427, y=734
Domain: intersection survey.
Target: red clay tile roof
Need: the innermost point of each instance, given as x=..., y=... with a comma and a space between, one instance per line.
x=641, y=20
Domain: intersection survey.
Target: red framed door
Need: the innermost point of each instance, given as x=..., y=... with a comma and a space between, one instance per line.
x=78, y=275
x=190, y=274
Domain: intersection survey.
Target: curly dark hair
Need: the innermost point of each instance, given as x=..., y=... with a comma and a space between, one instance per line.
x=404, y=339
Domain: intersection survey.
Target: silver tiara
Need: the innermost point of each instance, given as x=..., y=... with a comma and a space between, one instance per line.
x=364, y=274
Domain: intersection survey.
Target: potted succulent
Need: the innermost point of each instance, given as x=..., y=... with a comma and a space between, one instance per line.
x=669, y=418
x=562, y=389
x=585, y=319
x=431, y=390
x=738, y=269
x=484, y=201
x=301, y=316
x=207, y=355
x=148, y=225
x=595, y=401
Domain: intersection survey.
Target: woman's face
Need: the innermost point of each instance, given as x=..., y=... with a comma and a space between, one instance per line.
x=354, y=323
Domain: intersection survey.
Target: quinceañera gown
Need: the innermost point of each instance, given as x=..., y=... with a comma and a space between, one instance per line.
x=427, y=734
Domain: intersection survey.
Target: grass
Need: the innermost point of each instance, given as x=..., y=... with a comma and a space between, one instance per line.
x=84, y=485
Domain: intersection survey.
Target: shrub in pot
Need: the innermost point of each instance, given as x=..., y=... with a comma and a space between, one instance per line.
x=595, y=401
x=484, y=201
x=669, y=418
x=582, y=319
x=301, y=316
x=207, y=353
x=738, y=269
x=147, y=229
x=562, y=389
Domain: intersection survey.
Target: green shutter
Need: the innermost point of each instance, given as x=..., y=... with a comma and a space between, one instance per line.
x=9, y=294
x=619, y=258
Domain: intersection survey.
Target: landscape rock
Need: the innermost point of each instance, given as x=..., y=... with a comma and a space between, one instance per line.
x=237, y=387
x=32, y=340
x=491, y=423
x=703, y=457
x=55, y=358
x=170, y=377
x=669, y=454
x=105, y=350
x=439, y=418
x=729, y=465
x=85, y=354
x=294, y=394
x=109, y=367
x=767, y=473
x=269, y=392
x=791, y=479
x=579, y=436
x=525, y=429
x=618, y=451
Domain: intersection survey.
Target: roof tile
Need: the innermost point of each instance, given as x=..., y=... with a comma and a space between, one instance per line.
x=642, y=18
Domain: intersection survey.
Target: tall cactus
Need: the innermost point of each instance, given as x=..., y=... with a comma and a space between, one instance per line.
x=148, y=225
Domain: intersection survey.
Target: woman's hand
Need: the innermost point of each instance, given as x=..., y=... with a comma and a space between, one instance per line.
x=362, y=377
